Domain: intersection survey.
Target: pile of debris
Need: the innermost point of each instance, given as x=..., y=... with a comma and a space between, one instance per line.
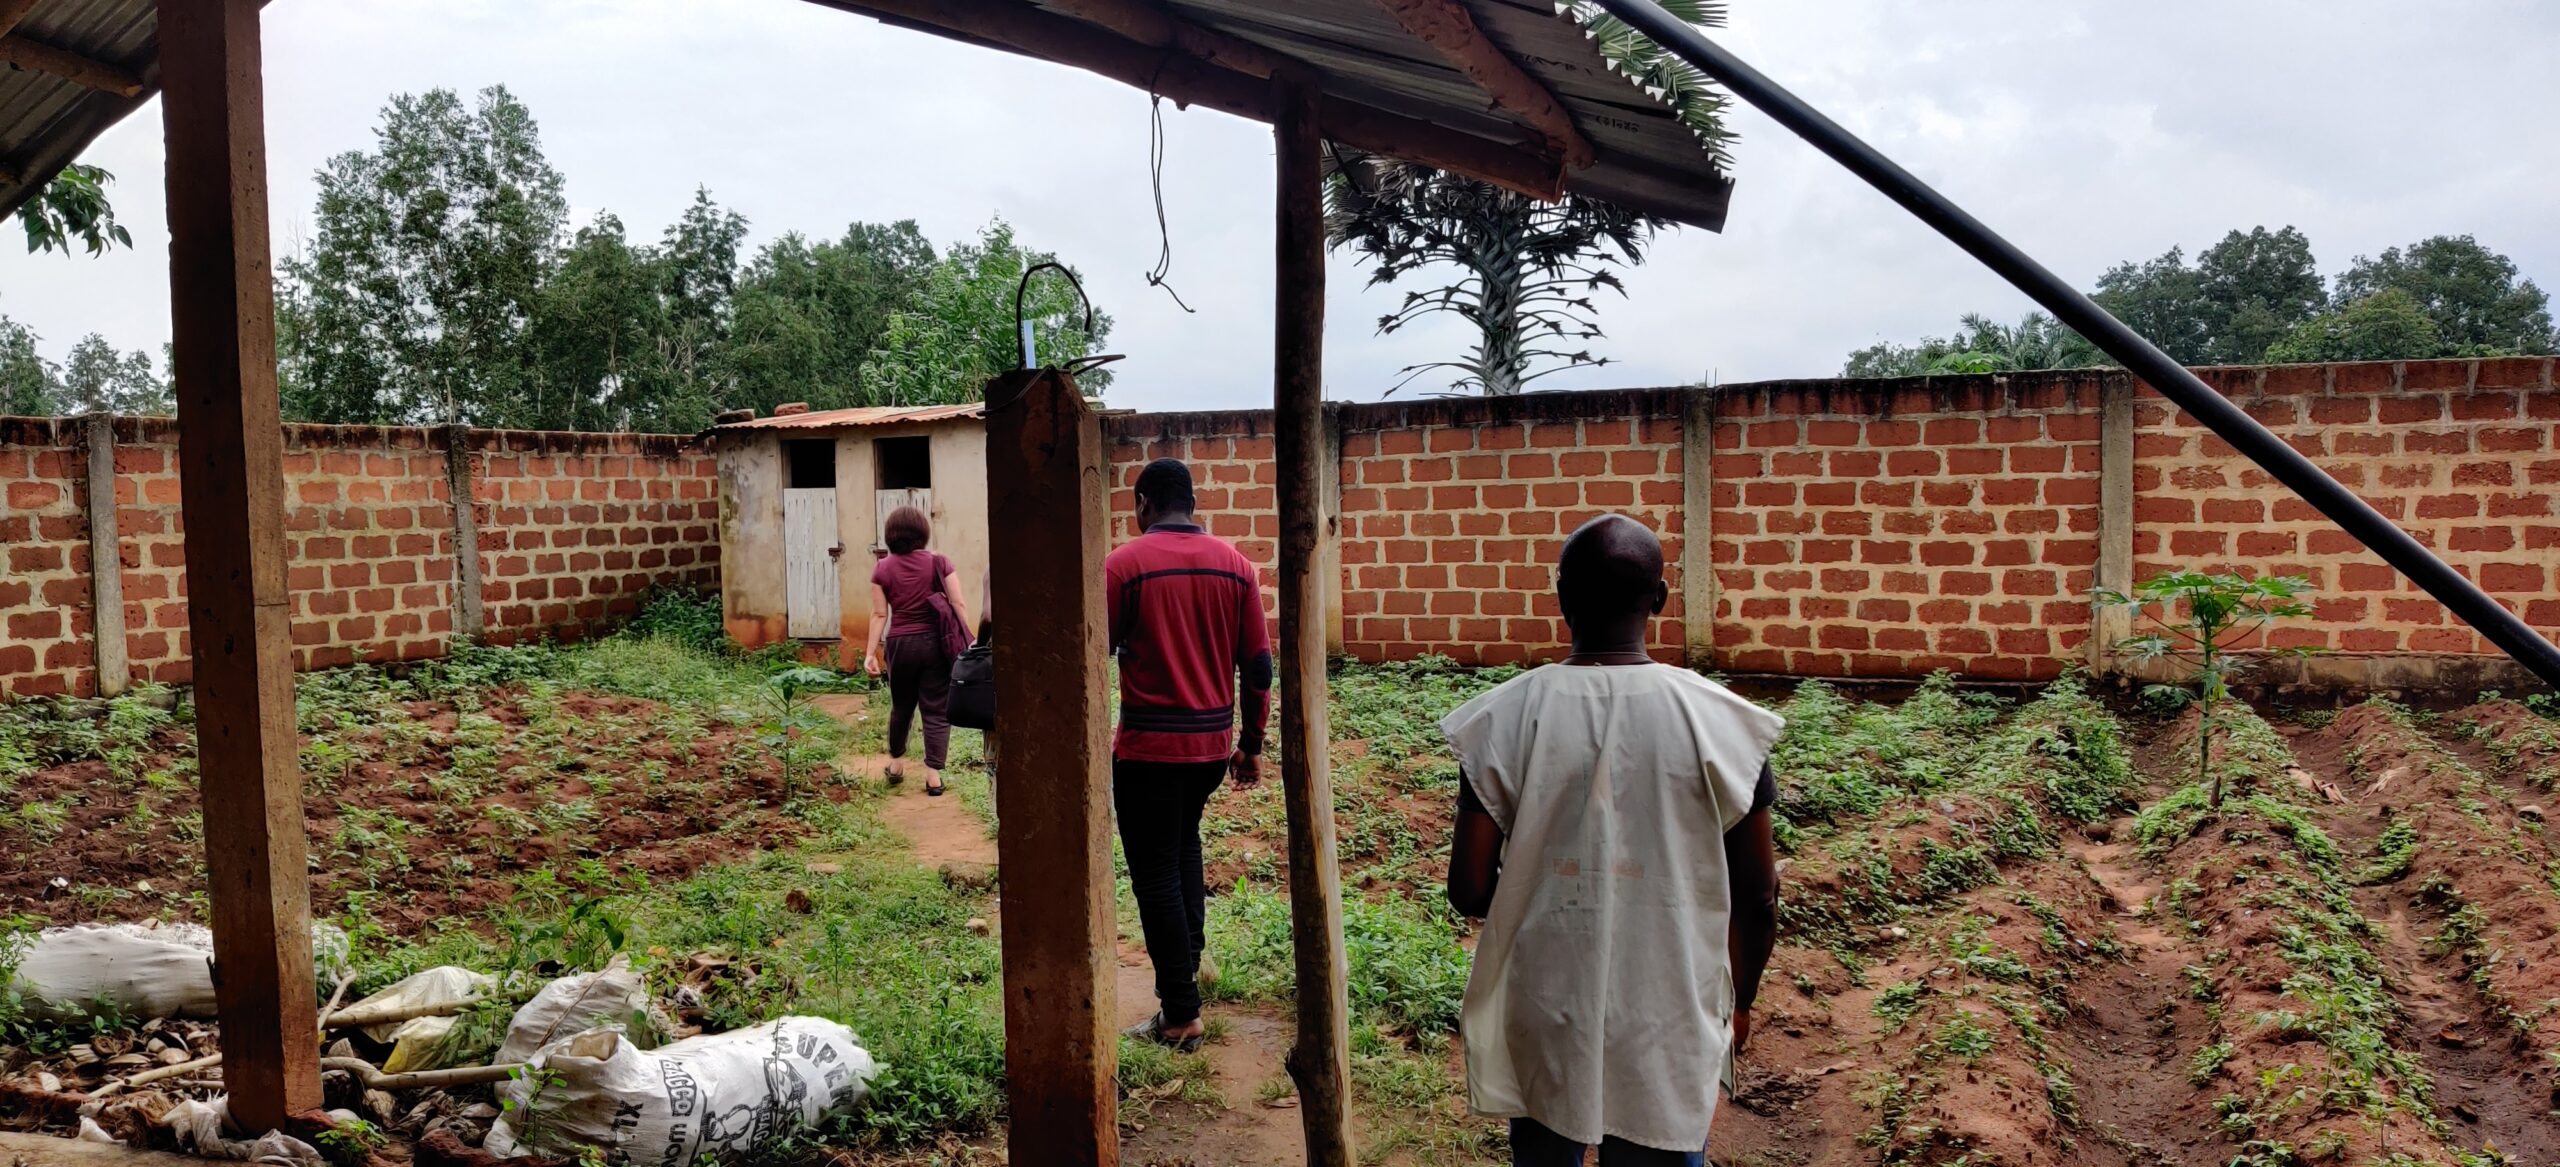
x=580, y=1066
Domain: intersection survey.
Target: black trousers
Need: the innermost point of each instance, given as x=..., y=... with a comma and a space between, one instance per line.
x=1159, y=805
x=919, y=681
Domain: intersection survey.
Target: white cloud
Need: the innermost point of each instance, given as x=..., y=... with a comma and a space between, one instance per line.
x=2090, y=132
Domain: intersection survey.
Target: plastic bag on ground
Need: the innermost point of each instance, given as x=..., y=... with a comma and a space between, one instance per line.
x=573, y=1005
x=719, y=1094
x=143, y=970
x=199, y=1128
x=414, y=1040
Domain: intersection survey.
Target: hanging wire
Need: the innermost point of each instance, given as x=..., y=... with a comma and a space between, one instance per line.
x=1155, y=170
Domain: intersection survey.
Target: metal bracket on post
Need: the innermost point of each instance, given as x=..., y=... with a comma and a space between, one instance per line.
x=2076, y=310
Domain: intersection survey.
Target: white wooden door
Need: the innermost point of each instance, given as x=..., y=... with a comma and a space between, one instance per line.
x=886, y=501
x=812, y=590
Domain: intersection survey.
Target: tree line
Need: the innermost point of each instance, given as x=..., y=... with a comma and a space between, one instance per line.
x=444, y=282
x=2257, y=297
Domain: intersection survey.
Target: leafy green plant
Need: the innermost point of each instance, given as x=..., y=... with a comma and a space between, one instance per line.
x=349, y=1142
x=686, y=616
x=525, y=1115
x=2205, y=622
x=794, y=722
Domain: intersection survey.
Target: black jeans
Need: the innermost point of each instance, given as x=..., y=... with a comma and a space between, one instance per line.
x=919, y=679
x=1159, y=805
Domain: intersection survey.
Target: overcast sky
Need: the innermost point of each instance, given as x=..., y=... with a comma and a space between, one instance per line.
x=2089, y=131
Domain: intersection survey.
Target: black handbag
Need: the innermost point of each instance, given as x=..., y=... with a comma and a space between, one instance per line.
x=973, y=686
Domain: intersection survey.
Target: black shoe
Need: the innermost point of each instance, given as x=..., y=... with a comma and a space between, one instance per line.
x=1152, y=1029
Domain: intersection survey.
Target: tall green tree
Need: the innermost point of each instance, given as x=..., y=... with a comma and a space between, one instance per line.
x=27, y=386
x=1980, y=345
x=418, y=293
x=596, y=327
x=806, y=314
x=2243, y=294
x=1524, y=274
x=2389, y=325
x=957, y=330
x=2473, y=296
x=100, y=379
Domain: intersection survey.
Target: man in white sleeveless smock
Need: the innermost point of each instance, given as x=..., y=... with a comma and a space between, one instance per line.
x=1614, y=834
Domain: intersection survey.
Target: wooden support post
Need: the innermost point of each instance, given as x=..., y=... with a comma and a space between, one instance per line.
x=1046, y=474
x=469, y=617
x=2108, y=626
x=106, y=562
x=231, y=486
x=1698, y=590
x=1320, y=1063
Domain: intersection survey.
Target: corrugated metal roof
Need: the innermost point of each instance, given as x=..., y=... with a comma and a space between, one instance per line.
x=832, y=419
x=46, y=121
x=1648, y=159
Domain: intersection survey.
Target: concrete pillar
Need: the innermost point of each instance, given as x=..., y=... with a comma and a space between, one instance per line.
x=1698, y=592
x=106, y=562
x=1329, y=530
x=2108, y=626
x=469, y=620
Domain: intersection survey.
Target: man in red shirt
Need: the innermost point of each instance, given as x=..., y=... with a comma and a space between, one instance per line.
x=1186, y=625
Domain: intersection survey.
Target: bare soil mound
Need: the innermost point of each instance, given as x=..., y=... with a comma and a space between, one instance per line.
x=437, y=811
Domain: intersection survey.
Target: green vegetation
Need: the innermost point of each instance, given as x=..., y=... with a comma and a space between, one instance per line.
x=1888, y=809
x=445, y=280
x=2256, y=297
x=2203, y=622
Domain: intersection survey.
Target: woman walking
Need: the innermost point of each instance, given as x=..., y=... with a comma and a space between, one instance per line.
x=919, y=624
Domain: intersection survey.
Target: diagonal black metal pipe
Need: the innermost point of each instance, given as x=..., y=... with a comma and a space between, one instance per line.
x=2137, y=355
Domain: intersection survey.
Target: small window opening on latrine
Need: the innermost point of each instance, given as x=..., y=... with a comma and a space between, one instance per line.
x=904, y=463
x=813, y=464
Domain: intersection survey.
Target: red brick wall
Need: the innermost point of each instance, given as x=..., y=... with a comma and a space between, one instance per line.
x=1890, y=528
x=1948, y=524
x=2463, y=454
x=1453, y=513
x=573, y=529
x=44, y=543
x=1232, y=480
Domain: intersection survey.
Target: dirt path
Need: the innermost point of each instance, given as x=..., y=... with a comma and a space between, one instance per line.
x=2143, y=1028
x=1251, y=1048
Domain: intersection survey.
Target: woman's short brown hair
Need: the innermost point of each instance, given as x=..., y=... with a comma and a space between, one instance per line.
x=907, y=530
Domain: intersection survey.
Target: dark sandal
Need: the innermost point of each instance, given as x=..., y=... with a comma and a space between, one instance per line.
x=1152, y=1029
x=936, y=790
x=895, y=774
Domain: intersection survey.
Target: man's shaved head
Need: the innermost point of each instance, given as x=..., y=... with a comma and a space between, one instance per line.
x=1610, y=572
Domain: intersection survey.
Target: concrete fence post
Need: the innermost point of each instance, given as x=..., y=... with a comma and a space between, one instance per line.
x=1697, y=524
x=2108, y=626
x=1329, y=529
x=106, y=561
x=468, y=618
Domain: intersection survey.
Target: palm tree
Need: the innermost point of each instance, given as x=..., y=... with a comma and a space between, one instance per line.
x=1527, y=272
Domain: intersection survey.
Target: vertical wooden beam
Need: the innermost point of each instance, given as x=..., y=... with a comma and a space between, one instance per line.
x=231, y=484
x=469, y=616
x=1698, y=591
x=106, y=562
x=2108, y=626
x=1046, y=475
x=1320, y=1063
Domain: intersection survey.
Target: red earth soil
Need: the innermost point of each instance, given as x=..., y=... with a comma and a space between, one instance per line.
x=658, y=809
